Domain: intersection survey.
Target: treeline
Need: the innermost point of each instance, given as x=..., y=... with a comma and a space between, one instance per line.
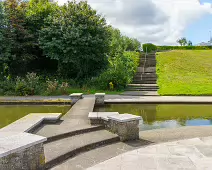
x=41, y=41
x=162, y=48
x=153, y=48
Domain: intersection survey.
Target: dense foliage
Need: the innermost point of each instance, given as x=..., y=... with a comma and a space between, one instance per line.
x=56, y=47
x=149, y=47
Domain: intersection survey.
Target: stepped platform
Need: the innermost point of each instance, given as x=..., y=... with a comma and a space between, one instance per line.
x=145, y=75
x=58, y=151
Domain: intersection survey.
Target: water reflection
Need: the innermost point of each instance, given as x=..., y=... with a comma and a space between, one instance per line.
x=156, y=116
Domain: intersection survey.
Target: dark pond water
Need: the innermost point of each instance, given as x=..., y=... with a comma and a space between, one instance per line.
x=156, y=116
x=9, y=114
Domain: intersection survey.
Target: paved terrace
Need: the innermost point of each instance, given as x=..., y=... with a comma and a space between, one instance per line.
x=191, y=154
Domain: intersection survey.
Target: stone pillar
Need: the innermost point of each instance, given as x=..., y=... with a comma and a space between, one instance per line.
x=125, y=125
x=99, y=98
x=23, y=151
x=75, y=97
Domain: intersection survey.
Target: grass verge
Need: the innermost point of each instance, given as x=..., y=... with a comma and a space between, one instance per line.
x=185, y=72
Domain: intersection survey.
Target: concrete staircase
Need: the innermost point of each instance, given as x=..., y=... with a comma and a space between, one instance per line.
x=145, y=79
x=65, y=148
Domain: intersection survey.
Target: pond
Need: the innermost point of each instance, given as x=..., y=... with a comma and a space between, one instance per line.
x=9, y=114
x=156, y=116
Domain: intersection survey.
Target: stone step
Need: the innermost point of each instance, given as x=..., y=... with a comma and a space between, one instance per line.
x=147, y=65
x=145, y=79
x=98, y=155
x=141, y=89
x=142, y=85
x=145, y=75
x=58, y=151
x=140, y=93
x=144, y=82
x=146, y=69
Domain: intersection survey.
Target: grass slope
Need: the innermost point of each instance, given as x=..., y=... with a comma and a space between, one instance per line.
x=185, y=72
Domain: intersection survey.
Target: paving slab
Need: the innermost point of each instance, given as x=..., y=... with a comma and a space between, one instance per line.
x=185, y=155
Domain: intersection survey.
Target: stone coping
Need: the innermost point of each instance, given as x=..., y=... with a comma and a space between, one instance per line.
x=76, y=94
x=124, y=117
x=30, y=121
x=162, y=99
x=101, y=115
x=12, y=142
x=99, y=94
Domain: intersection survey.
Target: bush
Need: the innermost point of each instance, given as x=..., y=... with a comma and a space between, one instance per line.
x=64, y=88
x=120, y=72
x=149, y=47
x=28, y=85
x=51, y=86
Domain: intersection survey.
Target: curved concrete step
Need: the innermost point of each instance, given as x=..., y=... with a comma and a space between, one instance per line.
x=100, y=154
x=58, y=151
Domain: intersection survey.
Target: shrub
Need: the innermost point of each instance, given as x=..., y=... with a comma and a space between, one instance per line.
x=22, y=88
x=51, y=86
x=149, y=47
x=64, y=88
x=120, y=72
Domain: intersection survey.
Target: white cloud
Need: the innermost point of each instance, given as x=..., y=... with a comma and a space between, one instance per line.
x=156, y=21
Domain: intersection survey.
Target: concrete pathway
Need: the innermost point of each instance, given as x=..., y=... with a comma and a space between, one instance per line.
x=75, y=119
x=190, y=154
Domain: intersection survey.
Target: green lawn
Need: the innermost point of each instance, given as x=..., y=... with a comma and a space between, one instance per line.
x=185, y=72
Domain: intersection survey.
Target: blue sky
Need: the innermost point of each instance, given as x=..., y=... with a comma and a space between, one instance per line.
x=198, y=31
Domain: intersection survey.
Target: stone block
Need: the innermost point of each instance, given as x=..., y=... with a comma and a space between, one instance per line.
x=100, y=117
x=99, y=98
x=22, y=151
x=75, y=97
x=125, y=125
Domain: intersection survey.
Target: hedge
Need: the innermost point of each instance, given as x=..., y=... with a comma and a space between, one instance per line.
x=162, y=48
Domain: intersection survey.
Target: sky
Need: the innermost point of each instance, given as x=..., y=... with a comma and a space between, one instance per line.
x=161, y=22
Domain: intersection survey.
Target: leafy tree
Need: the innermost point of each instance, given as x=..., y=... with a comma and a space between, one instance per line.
x=16, y=35
x=76, y=37
x=189, y=43
x=182, y=41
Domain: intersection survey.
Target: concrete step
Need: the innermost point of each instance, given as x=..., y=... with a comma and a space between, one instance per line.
x=100, y=154
x=140, y=89
x=58, y=151
x=144, y=82
x=142, y=85
x=147, y=65
x=145, y=75
x=145, y=79
x=140, y=93
x=146, y=69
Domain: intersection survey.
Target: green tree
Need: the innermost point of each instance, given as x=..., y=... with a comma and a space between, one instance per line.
x=77, y=37
x=17, y=36
x=182, y=41
x=189, y=43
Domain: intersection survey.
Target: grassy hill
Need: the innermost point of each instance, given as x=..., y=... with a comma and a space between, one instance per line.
x=185, y=72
